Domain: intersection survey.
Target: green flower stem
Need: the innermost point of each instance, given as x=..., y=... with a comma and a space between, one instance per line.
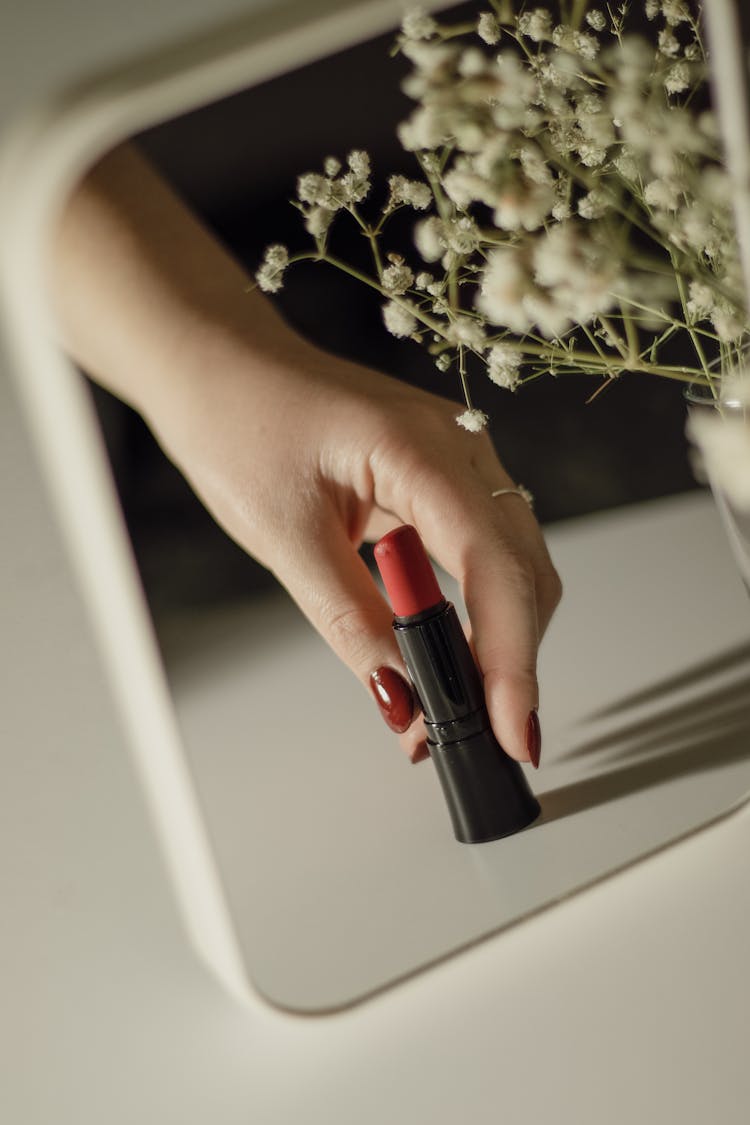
x=673, y=321
x=631, y=335
x=428, y=322
x=691, y=333
x=596, y=365
x=375, y=252
x=578, y=12
x=618, y=341
x=462, y=376
x=593, y=341
x=590, y=182
x=456, y=29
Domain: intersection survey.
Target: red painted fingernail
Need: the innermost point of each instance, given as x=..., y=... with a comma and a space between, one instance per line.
x=534, y=739
x=394, y=697
x=420, y=754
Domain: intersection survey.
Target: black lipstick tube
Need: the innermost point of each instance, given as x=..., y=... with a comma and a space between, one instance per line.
x=487, y=794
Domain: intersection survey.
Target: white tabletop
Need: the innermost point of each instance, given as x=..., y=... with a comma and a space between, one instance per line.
x=626, y=1002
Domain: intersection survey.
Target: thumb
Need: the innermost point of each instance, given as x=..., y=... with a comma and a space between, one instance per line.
x=334, y=589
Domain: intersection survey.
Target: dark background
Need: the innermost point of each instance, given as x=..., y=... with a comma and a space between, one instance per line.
x=236, y=163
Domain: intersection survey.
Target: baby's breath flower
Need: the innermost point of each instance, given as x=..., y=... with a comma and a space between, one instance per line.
x=669, y=44
x=626, y=165
x=430, y=239
x=423, y=130
x=416, y=24
x=675, y=11
x=461, y=235
x=632, y=59
x=318, y=220
x=423, y=280
x=677, y=78
x=488, y=28
x=535, y=25
x=411, y=192
x=596, y=19
x=727, y=322
x=716, y=187
x=331, y=166
x=354, y=185
x=593, y=204
x=662, y=194
x=397, y=279
x=504, y=286
x=270, y=275
x=698, y=232
x=465, y=330
x=575, y=42
x=473, y=420
x=561, y=210
x=313, y=188
x=702, y=300
x=432, y=59
x=359, y=162
x=464, y=187
x=576, y=270
x=589, y=104
x=471, y=64
x=596, y=127
x=652, y=8
x=534, y=165
x=591, y=155
x=517, y=90
x=399, y=319
x=503, y=365
x=523, y=205
x=443, y=362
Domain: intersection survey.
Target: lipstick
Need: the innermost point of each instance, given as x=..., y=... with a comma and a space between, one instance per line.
x=486, y=791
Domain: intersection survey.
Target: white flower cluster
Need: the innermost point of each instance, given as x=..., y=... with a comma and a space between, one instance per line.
x=504, y=366
x=412, y=193
x=577, y=212
x=321, y=196
x=416, y=24
x=568, y=276
x=399, y=318
x=270, y=275
x=472, y=420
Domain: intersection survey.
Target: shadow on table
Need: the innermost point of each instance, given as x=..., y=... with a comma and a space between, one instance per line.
x=686, y=737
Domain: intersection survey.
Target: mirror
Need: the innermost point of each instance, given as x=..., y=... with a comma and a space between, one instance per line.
x=336, y=856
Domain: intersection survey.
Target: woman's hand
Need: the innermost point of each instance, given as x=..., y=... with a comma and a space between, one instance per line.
x=301, y=456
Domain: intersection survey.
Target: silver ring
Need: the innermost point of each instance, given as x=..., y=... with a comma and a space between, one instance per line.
x=519, y=491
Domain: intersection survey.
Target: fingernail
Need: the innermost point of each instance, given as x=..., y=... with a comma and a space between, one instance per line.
x=534, y=739
x=420, y=753
x=394, y=697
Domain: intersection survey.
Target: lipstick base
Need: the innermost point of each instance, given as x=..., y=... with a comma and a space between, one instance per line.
x=487, y=794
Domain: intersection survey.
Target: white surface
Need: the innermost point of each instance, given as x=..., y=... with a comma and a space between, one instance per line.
x=337, y=855
x=627, y=1003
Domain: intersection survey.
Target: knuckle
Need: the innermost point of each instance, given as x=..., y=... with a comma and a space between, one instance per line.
x=348, y=630
x=551, y=587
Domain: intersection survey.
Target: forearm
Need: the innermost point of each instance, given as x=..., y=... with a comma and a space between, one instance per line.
x=147, y=301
